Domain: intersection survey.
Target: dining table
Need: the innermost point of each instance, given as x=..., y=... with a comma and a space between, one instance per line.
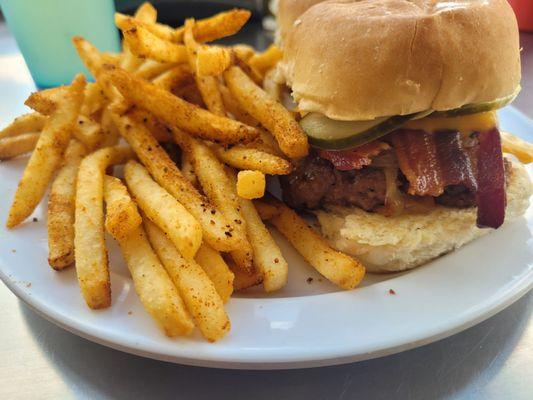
x=39, y=360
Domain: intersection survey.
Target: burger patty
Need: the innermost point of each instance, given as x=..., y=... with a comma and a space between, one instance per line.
x=315, y=182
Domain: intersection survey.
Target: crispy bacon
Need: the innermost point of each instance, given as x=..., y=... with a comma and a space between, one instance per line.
x=345, y=160
x=433, y=161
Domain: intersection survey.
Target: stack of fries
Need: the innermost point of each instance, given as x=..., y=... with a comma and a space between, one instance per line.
x=191, y=233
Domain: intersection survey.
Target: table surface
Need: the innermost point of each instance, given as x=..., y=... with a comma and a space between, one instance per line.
x=492, y=360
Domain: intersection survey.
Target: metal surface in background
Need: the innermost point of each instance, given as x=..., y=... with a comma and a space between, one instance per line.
x=492, y=360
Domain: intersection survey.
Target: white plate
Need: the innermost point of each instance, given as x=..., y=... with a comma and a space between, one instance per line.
x=306, y=324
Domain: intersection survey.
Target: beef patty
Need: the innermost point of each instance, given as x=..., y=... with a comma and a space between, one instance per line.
x=315, y=182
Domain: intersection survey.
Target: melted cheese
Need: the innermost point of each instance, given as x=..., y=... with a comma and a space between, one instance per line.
x=464, y=124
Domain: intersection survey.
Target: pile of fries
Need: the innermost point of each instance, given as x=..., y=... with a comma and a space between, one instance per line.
x=190, y=228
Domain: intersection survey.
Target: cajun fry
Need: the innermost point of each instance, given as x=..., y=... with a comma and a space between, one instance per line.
x=266, y=210
x=89, y=243
x=266, y=60
x=17, y=145
x=176, y=112
x=47, y=155
x=218, y=26
x=175, y=77
x=165, y=172
x=520, y=148
x=157, y=293
x=233, y=106
x=61, y=205
x=212, y=60
x=248, y=158
x=164, y=210
x=122, y=216
x=291, y=138
x=27, y=123
x=244, y=280
x=150, y=69
x=196, y=289
x=216, y=268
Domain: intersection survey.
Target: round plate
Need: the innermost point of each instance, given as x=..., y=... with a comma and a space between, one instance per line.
x=308, y=323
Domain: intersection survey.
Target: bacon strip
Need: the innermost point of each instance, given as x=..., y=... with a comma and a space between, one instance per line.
x=490, y=196
x=345, y=160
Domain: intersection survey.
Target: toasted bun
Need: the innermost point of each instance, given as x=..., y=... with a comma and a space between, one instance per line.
x=359, y=60
x=386, y=244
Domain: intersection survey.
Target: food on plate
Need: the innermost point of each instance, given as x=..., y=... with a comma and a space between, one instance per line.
x=217, y=269
x=251, y=184
x=17, y=145
x=398, y=99
x=122, y=216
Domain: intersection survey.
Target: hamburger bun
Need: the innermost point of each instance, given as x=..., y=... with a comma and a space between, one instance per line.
x=359, y=60
x=385, y=244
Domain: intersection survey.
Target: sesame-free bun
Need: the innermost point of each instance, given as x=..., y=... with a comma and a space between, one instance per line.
x=359, y=60
x=391, y=244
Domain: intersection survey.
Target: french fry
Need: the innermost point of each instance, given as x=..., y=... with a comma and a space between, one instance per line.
x=165, y=172
x=111, y=134
x=207, y=85
x=89, y=242
x=187, y=170
x=94, y=99
x=88, y=132
x=47, y=155
x=520, y=148
x=251, y=184
x=162, y=31
x=219, y=189
x=243, y=51
x=175, y=77
x=17, y=145
x=144, y=44
x=27, y=123
x=271, y=87
x=244, y=280
x=265, y=210
x=212, y=60
x=291, y=138
x=339, y=268
x=216, y=27
x=266, y=60
x=156, y=291
x=196, y=289
x=129, y=61
x=146, y=13
x=46, y=101
x=150, y=69
x=248, y=158
x=164, y=210
x=61, y=205
x=176, y=112
x=122, y=216
x=268, y=260
x=233, y=106
x=216, y=268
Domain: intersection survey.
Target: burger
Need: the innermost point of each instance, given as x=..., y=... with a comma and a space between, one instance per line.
x=398, y=99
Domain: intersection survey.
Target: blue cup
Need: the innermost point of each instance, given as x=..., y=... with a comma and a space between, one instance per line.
x=44, y=30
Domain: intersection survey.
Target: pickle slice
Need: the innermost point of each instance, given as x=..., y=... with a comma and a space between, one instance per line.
x=330, y=134
x=477, y=107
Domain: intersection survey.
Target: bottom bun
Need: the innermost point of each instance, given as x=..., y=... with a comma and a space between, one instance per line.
x=385, y=244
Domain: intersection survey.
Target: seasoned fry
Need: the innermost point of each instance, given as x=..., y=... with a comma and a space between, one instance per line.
x=46, y=101
x=165, y=172
x=61, y=204
x=89, y=244
x=212, y=60
x=207, y=85
x=219, y=189
x=196, y=289
x=520, y=148
x=266, y=60
x=176, y=112
x=216, y=268
x=88, y=132
x=187, y=170
x=233, y=106
x=164, y=210
x=17, y=145
x=337, y=267
x=144, y=44
x=218, y=26
x=291, y=138
x=27, y=123
x=265, y=210
x=149, y=69
x=162, y=31
x=111, y=134
x=94, y=99
x=122, y=216
x=175, y=77
x=47, y=155
x=156, y=291
x=244, y=280
x=268, y=260
x=146, y=13
x=243, y=51
x=251, y=184
x=248, y=158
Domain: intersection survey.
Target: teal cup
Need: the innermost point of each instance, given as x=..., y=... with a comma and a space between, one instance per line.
x=44, y=29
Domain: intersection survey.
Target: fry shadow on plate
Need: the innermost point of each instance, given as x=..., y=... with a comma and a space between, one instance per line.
x=462, y=364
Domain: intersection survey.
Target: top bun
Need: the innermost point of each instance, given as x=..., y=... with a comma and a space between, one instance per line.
x=359, y=60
